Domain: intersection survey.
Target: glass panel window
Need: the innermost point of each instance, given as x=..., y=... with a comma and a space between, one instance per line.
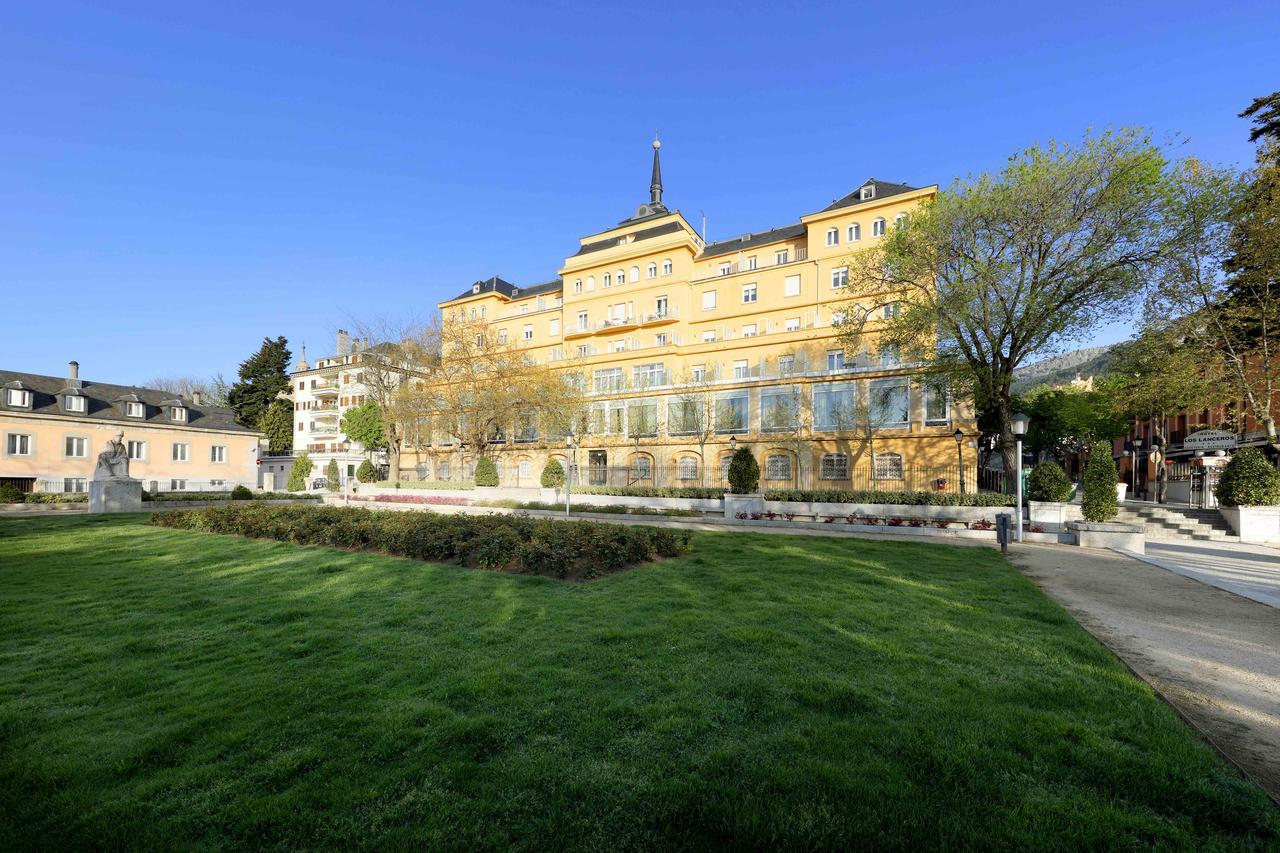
x=781, y=257
x=786, y=364
x=890, y=405
x=835, y=359
x=526, y=469
x=582, y=321
x=833, y=237
x=616, y=418
x=748, y=293
x=18, y=444
x=177, y=485
x=177, y=413
x=641, y=468
x=608, y=379
x=17, y=397
x=218, y=453
x=741, y=369
x=936, y=411
x=666, y=267
x=651, y=271
x=839, y=277
x=791, y=286
x=74, y=485
x=649, y=375
x=749, y=330
x=732, y=412
x=725, y=269
x=751, y=262
x=75, y=403
x=699, y=372
x=76, y=447
x=887, y=466
x=682, y=417
x=442, y=470
x=687, y=468
x=137, y=449
x=642, y=418
x=792, y=324
x=891, y=310
x=526, y=426
x=134, y=410
x=181, y=452
x=502, y=337
x=834, y=407
x=528, y=332
x=877, y=228
x=777, y=466
x=835, y=466
x=708, y=300
x=779, y=408
x=855, y=232
x=708, y=336
x=889, y=356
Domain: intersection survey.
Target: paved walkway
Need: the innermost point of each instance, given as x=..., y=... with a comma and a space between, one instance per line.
x=1249, y=570
x=1213, y=655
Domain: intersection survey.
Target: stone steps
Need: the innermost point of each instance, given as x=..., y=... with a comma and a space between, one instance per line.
x=1176, y=523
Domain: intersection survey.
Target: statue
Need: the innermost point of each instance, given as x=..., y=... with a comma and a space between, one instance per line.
x=113, y=461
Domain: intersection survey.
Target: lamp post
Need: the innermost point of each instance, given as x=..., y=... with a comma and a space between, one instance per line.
x=571, y=441
x=1019, y=423
x=1137, y=457
x=959, y=436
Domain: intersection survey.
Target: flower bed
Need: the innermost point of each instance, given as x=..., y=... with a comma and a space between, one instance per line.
x=608, y=509
x=438, y=500
x=840, y=496
x=577, y=550
x=425, y=484
x=651, y=492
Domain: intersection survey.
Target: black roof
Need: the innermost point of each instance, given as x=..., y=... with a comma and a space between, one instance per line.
x=644, y=234
x=750, y=241
x=884, y=189
x=101, y=399
x=496, y=284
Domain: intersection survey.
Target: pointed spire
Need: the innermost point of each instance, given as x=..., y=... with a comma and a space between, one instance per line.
x=655, y=185
x=302, y=362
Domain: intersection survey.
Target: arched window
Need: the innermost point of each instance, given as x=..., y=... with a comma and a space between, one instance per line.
x=900, y=220
x=835, y=466
x=622, y=276
x=833, y=237
x=641, y=467
x=666, y=267
x=525, y=469
x=591, y=283
x=635, y=273
x=887, y=466
x=687, y=468
x=777, y=466
x=855, y=232
x=877, y=228
x=652, y=270
x=442, y=470
x=577, y=286
x=724, y=467
x=606, y=280
x=423, y=470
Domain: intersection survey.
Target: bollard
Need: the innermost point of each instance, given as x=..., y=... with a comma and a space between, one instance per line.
x=1002, y=531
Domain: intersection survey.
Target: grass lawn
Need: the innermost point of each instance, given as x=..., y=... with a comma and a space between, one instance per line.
x=175, y=689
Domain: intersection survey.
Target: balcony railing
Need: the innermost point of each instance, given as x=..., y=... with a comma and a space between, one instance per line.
x=735, y=267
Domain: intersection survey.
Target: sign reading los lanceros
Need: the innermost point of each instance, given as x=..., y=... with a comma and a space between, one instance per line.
x=1210, y=439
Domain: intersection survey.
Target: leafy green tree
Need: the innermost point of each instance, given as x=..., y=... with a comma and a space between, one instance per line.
x=552, y=475
x=1100, y=478
x=1249, y=480
x=364, y=424
x=1048, y=482
x=744, y=472
x=486, y=472
x=1069, y=420
x=262, y=377
x=1265, y=113
x=1003, y=268
x=277, y=425
x=299, y=472
x=332, y=476
x=367, y=472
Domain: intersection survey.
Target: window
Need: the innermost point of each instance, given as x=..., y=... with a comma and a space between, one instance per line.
x=751, y=262
x=855, y=233
x=839, y=277
x=877, y=228
x=606, y=280
x=577, y=285
x=708, y=300
x=642, y=418
x=660, y=306
x=73, y=485
x=177, y=485
x=900, y=221
x=137, y=450
x=890, y=405
x=615, y=422
x=935, y=404
x=835, y=466
x=792, y=324
x=886, y=466
x=75, y=447
x=835, y=359
x=528, y=332
x=869, y=191
x=741, y=369
x=553, y=328
x=725, y=461
x=75, y=403
x=641, y=468
x=619, y=346
x=749, y=330
x=732, y=411
x=622, y=277
x=525, y=468
x=502, y=336
x=682, y=416
x=177, y=413
x=134, y=410
x=781, y=257
x=726, y=268
x=17, y=444
x=786, y=365
x=218, y=453
x=608, y=379
x=699, y=372
x=661, y=339
x=777, y=466
x=748, y=293
x=17, y=397
x=181, y=451
x=591, y=283
x=838, y=318
x=584, y=350
x=666, y=267
x=651, y=271
x=833, y=237
x=779, y=408
x=791, y=287
x=479, y=340
x=649, y=375
x=635, y=273
x=582, y=321
x=833, y=407
x=891, y=310
x=524, y=309
x=687, y=468
x=442, y=469
x=889, y=356
x=526, y=427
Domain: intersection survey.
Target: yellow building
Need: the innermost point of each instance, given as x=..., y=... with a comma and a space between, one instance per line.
x=657, y=320
x=53, y=429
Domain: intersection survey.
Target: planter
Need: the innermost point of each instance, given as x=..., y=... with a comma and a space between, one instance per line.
x=551, y=496
x=734, y=504
x=1253, y=523
x=1053, y=513
x=1109, y=534
x=1121, y=490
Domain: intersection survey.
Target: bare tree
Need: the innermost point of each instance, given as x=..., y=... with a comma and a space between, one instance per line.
x=695, y=413
x=212, y=391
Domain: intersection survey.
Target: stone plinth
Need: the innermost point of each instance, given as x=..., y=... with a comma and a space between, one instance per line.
x=115, y=496
x=1253, y=523
x=734, y=504
x=1109, y=534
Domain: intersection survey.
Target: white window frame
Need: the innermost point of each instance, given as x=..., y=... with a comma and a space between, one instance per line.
x=709, y=336
x=726, y=268
x=651, y=271
x=791, y=285
x=867, y=192
x=887, y=465
x=141, y=455
x=13, y=445
x=839, y=277
x=666, y=267
x=74, y=485
x=833, y=236
x=791, y=324
x=527, y=332
x=218, y=454
x=750, y=294
x=782, y=257
x=18, y=398
x=708, y=300
x=178, y=414
x=584, y=321
x=791, y=397
x=846, y=389
x=749, y=330
x=931, y=391
x=855, y=232
x=75, y=403
x=84, y=446
x=135, y=410
x=742, y=369
x=502, y=337
x=687, y=468
x=833, y=466
x=876, y=385
x=877, y=227
x=836, y=359
x=183, y=457
x=751, y=262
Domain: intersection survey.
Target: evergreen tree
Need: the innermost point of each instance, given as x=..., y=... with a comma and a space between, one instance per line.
x=298, y=473
x=486, y=472
x=277, y=425
x=366, y=473
x=1249, y=480
x=364, y=424
x=332, y=476
x=552, y=474
x=744, y=472
x=262, y=377
x=1100, y=480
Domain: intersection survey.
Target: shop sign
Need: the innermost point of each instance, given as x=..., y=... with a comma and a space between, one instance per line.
x=1210, y=439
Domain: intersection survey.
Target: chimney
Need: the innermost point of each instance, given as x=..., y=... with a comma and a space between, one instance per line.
x=73, y=374
x=355, y=345
x=344, y=342
x=195, y=398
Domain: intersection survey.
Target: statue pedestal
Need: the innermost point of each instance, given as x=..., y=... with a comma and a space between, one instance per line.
x=115, y=496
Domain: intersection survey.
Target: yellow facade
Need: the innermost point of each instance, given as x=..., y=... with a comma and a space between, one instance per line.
x=651, y=315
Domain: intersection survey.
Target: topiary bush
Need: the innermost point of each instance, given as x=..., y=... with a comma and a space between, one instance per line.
x=241, y=493
x=10, y=494
x=844, y=496
x=299, y=471
x=744, y=472
x=332, y=476
x=552, y=475
x=486, y=472
x=1249, y=480
x=1100, y=479
x=1048, y=482
x=366, y=473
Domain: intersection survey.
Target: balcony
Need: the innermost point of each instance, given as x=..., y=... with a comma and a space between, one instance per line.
x=794, y=257
x=325, y=389
x=660, y=318
x=616, y=324
x=578, y=332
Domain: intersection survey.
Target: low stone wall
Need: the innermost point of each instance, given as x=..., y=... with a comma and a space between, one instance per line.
x=1053, y=515
x=81, y=506
x=1109, y=534
x=823, y=509
x=1257, y=524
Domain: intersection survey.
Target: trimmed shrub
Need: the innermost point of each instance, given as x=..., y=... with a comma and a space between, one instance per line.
x=10, y=494
x=1249, y=480
x=552, y=475
x=241, y=493
x=61, y=497
x=744, y=472
x=486, y=472
x=1100, y=480
x=887, y=497
x=1048, y=482
x=332, y=476
x=366, y=473
x=550, y=547
x=652, y=491
x=425, y=484
x=299, y=471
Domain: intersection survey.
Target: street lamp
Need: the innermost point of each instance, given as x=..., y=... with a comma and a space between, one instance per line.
x=1019, y=423
x=959, y=436
x=1137, y=457
x=571, y=441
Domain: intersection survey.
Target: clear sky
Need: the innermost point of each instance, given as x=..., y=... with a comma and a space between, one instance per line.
x=179, y=180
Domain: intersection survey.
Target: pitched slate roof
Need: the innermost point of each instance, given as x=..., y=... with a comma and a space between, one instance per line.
x=101, y=404
x=751, y=241
x=496, y=284
x=884, y=189
x=645, y=234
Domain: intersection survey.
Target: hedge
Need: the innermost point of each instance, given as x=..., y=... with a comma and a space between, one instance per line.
x=1249, y=480
x=1048, y=482
x=651, y=492
x=840, y=496
x=224, y=496
x=56, y=498
x=423, y=484
x=577, y=550
x=608, y=509
x=1100, y=478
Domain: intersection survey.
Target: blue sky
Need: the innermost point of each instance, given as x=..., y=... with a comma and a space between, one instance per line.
x=179, y=180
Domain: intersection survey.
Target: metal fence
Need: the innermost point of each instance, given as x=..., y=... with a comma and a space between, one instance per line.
x=905, y=478
x=75, y=485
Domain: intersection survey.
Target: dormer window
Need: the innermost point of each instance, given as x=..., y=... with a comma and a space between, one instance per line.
x=134, y=410
x=869, y=191
x=73, y=403
x=178, y=414
x=475, y=288
x=19, y=398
